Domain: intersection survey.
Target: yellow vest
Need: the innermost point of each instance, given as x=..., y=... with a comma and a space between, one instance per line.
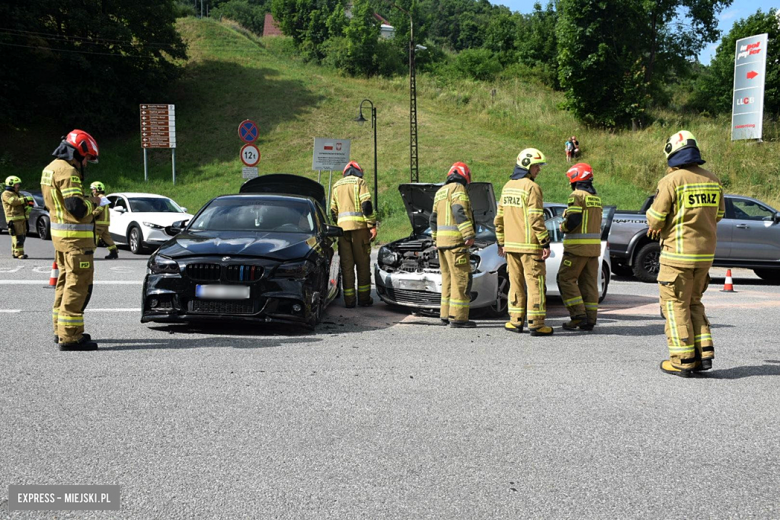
x=61, y=181
x=687, y=209
x=102, y=215
x=13, y=205
x=445, y=229
x=520, y=219
x=585, y=239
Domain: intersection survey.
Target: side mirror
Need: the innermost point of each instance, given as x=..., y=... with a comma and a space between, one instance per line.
x=176, y=228
x=776, y=218
x=120, y=209
x=333, y=231
x=184, y=209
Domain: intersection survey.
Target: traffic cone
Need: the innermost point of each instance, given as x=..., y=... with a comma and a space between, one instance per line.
x=55, y=273
x=729, y=285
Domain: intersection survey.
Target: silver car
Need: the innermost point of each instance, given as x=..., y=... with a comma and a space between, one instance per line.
x=407, y=271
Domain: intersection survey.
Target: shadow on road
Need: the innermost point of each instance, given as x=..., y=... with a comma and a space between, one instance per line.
x=746, y=371
x=194, y=343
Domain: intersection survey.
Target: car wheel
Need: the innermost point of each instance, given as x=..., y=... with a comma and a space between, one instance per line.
x=604, y=282
x=316, y=311
x=648, y=262
x=43, y=228
x=499, y=308
x=770, y=275
x=135, y=240
x=621, y=269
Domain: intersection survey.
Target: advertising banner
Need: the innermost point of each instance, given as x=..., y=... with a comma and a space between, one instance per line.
x=747, y=112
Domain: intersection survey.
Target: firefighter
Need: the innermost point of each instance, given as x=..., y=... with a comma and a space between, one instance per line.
x=578, y=275
x=453, y=231
x=72, y=231
x=523, y=238
x=102, y=216
x=688, y=204
x=17, y=208
x=351, y=208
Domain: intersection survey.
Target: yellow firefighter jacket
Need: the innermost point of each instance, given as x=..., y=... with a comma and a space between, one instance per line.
x=14, y=206
x=102, y=216
x=350, y=204
x=686, y=209
x=61, y=181
x=582, y=224
x=520, y=220
x=452, y=221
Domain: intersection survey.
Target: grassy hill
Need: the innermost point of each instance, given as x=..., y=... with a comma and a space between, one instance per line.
x=231, y=76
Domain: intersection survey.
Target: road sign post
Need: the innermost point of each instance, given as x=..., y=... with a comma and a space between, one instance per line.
x=747, y=111
x=158, y=130
x=248, y=132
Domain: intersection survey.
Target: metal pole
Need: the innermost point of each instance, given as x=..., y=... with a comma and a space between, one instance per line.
x=413, y=162
x=376, y=179
x=173, y=164
x=146, y=167
x=319, y=176
x=330, y=179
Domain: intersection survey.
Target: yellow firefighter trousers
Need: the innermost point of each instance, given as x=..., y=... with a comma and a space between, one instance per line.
x=101, y=233
x=455, y=283
x=18, y=231
x=73, y=291
x=527, y=272
x=578, y=282
x=687, y=328
x=355, y=251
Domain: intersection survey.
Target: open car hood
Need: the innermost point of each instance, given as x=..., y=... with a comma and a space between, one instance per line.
x=418, y=200
x=285, y=183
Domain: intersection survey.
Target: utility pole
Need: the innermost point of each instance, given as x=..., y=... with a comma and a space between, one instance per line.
x=414, y=174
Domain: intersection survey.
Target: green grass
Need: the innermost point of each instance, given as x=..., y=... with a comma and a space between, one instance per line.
x=231, y=76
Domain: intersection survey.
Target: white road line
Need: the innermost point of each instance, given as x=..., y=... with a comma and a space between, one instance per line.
x=11, y=310
x=88, y=310
x=46, y=282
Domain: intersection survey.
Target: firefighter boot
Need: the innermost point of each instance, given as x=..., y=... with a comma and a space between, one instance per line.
x=578, y=322
x=85, y=335
x=81, y=345
x=544, y=330
x=666, y=366
x=468, y=324
x=514, y=327
x=113, y=254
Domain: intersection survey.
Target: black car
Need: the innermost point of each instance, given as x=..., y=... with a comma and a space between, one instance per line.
x=264, y=255
x=38, y=222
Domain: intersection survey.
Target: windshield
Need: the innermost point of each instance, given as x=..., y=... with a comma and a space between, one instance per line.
x=154, y=205
x=233, y=214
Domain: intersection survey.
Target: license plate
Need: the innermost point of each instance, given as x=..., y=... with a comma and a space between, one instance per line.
x=222, y=292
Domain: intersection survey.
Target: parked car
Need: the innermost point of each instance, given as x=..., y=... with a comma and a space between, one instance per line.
x=139, y=219
x=407, y=271
x=748, y=236
x=38, y=222
x=266, y=254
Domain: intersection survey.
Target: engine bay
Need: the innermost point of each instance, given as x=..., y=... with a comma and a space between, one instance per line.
x=416, y=254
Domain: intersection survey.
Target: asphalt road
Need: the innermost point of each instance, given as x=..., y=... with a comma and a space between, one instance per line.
x=381, y=414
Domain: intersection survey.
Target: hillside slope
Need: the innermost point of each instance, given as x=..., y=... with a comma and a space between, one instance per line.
x=230, y=76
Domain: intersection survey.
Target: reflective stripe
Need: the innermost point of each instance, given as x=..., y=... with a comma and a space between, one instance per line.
x=459, y=303
x=537, y=313
x=351, y=214
x=364, y=288
x=447, y=228
x=584, y=241
x=71, y=227
x=582, y=235
x=591, y=305
x=689, y=258
x=349, y=292
x=573, y=301
x=526, y=245
x=574, y=209
x=516, y=309
x=19, y=217
x=455, y=233
x=72, y=234
x=656, y=215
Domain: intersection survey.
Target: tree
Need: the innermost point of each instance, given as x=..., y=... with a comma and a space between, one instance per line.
x=537, y=42
x=714, y=88
x=306, y=21
x=610, y=52
x=500, y=36
x=87, y=62
x=248, y=13
x=362, y=36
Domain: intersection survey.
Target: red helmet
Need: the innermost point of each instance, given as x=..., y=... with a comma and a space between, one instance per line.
x=461, y=169
x=84, y=143
x=580, y=172
x=350, y=166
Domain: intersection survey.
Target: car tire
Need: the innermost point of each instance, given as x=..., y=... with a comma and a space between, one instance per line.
x=135, y=240
x=498, y=309
x=770, y=275
x=606, y=274
x=317, y=311
x=621, y=269
x=647, y=262
x=43, y=227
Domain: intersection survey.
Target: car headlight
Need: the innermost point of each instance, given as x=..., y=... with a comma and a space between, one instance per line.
x=298, y=269
x=159, y=264
x=474, y=260
x=153, y=225
x=387, y=257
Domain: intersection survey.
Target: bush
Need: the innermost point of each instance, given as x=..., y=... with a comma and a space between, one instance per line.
x=250, y=16
x=479, y=64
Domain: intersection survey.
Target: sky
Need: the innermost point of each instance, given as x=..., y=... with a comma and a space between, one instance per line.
x=739, y=9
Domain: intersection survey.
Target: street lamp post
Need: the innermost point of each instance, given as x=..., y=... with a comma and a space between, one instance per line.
x=360, y=120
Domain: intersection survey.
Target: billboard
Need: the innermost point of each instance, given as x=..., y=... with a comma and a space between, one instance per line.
x=747, y=112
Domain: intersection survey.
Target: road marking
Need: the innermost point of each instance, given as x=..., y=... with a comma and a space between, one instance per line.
x=113, y=310
x=11, y=269
x=11, y=310
x=96, y=282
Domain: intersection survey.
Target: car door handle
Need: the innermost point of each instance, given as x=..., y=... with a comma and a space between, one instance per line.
x=742, y=226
